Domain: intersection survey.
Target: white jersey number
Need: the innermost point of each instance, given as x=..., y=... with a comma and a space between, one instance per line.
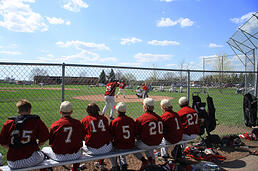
x=192, y=119
x=126, y=131
x=69, y=130
x=100, y=125
x=108, y=88
x=25, y=136
x=153, y=127
x=177, y=124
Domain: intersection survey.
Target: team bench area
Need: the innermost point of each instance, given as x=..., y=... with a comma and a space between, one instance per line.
x=85, y=158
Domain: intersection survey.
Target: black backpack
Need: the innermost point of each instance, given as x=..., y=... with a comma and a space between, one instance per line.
x=199, y=107
x=19, y=122
x=250, y=110
x=211, y=119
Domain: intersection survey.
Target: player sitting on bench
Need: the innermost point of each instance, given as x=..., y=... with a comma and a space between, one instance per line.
x=65, y=137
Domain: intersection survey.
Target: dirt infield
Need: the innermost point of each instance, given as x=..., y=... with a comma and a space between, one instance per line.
x=129, y=98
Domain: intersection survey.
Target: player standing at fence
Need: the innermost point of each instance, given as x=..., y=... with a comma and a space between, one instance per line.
x=149, y=132
x=96, y=132
x=66, y=136
x=122, y=86
x=172, y=129
x=23, y=135
x=109, y=98
x=146, y=90
x=123, y=134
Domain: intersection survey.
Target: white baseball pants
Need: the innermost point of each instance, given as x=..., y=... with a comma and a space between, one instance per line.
x=110, y=101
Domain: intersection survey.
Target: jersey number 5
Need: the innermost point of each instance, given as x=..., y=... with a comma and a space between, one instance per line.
x=26, y=137
x=126, y=131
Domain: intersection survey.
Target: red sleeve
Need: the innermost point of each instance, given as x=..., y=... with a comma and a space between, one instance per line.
x=4, y=136
x=52, y=133
x=138, y=127
x=112, y=128
x=43, y=133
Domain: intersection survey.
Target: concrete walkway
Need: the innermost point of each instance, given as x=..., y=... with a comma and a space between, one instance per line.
x=248, y=163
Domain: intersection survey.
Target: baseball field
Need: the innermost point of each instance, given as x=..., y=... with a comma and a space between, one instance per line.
x=46, y=100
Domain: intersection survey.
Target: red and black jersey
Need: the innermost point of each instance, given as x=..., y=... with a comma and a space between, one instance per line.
x=66, y=135
x=172, y=127
x=32, y=130
x=96, y=131
x=123, y=132
x=190, y=120
x=144, y=87
x=122, y=85
x=149, y=128
x=111, y=88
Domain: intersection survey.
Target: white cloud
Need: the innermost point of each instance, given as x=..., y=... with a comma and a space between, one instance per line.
x=163, y=43
x=214, y=45
x=54, y=20
x=167, y=22
x=19, y=17
x=242, y=18
x=147, y=57
x=82, y=45
x=132, y=40
x=167, y=0
x=85, y=56
x=74, y=5
x=68, y=22
x=185, y=22
x=10, y=52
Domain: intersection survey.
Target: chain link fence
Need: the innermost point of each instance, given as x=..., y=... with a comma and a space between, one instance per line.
x=47, y=85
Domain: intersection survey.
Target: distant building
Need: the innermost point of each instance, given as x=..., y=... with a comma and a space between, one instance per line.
x=54, y=80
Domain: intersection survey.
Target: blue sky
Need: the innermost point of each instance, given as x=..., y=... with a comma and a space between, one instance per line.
x=142, y=33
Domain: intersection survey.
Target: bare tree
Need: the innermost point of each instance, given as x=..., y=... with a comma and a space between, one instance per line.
x=38, y=72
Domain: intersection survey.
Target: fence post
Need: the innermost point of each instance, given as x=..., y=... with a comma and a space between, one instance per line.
x=188, y=84
x=63, y=81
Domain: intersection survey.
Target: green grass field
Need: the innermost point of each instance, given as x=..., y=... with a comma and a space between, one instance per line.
x=45, y=103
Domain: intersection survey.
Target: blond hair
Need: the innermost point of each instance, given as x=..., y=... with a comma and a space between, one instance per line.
x=23, y=105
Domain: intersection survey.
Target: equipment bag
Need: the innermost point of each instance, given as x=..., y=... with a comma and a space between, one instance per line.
x=211, y=119
x=199, y=107
x=250, y=110
x=19, y=122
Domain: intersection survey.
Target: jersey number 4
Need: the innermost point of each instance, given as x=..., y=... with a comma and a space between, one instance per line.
x=100, y=125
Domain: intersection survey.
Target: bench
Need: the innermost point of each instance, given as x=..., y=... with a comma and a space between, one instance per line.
x=85, y=158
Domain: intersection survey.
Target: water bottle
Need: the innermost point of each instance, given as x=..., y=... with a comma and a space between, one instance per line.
x=156, y=153
x=209, y=166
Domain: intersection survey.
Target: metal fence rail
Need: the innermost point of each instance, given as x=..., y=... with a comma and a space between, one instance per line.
x=46, y=85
